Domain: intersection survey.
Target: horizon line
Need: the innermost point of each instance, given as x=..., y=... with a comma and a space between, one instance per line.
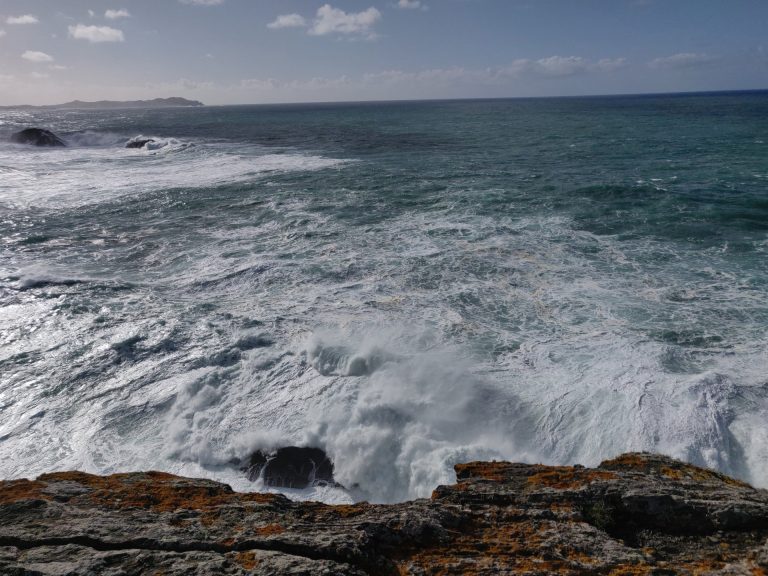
x=415, y=100
x=498, y=98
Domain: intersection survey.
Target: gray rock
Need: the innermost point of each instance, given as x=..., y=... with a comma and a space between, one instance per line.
x=639, y=513
x=138, y=142
x=37, y=137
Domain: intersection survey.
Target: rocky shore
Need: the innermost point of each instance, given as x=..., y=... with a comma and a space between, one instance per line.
x=637, y=514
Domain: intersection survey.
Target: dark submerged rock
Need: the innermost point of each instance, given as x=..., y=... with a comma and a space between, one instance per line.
x=37, y=137
x=636, y=514
x=139, y=142
x=291, y=467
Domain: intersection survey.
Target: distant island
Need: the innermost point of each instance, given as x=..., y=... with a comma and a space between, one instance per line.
x=173, y=102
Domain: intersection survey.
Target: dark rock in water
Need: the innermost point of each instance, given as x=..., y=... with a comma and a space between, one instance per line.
x=37, y=137
x=291, y=467
x=636, y=514
x=139, y=142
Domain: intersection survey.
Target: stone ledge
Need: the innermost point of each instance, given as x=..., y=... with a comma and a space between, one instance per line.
x=636, y=514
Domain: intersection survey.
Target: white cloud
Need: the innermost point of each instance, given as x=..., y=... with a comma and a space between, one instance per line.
x=330, y=20
x=179, y=86
x=57, y=67
x=39, y=75
x=259, y=84
x=432, y=77
x=288, y=21
x=610, y=64
x=193, y=84
x=91, y=13
x=202, y=2
x=34, y=56
x=411, y=5
x=429, y=83
x=2, y=32
x=96, y=33
x=561, y=65
x=25, y=19
x=681, y=60
x=116, y=14
x=434, y=82
x=5, y=77
x=555, y=66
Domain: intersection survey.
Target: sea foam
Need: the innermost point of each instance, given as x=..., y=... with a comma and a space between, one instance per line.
x=99, y=168
x=404, y=287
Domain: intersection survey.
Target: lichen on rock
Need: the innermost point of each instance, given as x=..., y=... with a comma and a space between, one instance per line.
x=637, y=514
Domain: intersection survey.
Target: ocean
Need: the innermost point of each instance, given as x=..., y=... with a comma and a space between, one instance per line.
x=406, y=285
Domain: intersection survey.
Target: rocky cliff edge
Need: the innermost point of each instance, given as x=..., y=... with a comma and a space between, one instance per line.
x=637, y=514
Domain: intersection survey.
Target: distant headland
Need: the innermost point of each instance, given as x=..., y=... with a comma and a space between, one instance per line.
x=174, y=102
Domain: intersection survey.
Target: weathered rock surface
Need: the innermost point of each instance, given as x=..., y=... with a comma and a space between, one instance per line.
x=637, y=514
x=37, y=137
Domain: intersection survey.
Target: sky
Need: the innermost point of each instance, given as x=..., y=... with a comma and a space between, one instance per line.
x=266, y=51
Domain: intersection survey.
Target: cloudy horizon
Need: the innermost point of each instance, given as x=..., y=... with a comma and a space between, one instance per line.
x=240, y=52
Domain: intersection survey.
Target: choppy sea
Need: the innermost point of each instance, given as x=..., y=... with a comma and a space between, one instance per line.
x=404, y=285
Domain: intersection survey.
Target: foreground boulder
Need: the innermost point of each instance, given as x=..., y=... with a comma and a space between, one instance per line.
x=37, y=137
x=637, y=514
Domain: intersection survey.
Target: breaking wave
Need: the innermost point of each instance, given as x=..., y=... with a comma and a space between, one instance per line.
x=402, y=286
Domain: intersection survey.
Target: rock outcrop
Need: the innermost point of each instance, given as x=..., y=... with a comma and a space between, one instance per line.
x=139, y=142
x=37, y=137
x=290, y=467
x=636, y=514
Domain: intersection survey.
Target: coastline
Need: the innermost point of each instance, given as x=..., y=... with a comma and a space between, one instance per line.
x=639, y=513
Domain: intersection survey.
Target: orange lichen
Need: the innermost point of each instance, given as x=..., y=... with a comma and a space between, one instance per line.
x=650, y=464
x=348, y=511
x=88, y=479
x=270, y=530
x=699, y=568
x=482, y=546
x=562, y=507
x=630, y=461
x=209, y=517
x=578, y=556
x=696, y=474
x=247, y=560
x=536, y=530
x=567, y=478
x=632, y=570
x=494, y=471
x=15, y=490
x=157, y=491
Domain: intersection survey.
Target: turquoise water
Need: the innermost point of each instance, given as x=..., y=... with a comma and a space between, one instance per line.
x=406, y=285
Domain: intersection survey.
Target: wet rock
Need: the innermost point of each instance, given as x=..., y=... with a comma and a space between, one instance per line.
x=37, y=137
x=138, y=142
x=636, y=514
x=291, y=467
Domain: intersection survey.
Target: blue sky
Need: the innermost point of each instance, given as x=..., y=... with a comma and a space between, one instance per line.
x=254, y=51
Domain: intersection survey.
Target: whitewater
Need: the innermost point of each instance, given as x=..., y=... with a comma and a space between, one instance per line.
x=403, y=285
